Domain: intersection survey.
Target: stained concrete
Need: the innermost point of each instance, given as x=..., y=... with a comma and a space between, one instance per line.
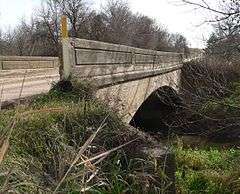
x=26, y=76
x=125, y=76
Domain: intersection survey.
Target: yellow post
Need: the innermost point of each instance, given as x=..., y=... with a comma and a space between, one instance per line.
x=65, y=49
x=64, y=27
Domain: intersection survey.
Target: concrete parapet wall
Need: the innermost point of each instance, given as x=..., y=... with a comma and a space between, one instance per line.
x=107, y=64
x=25, y=76
x=125, y=76
x=26, y=62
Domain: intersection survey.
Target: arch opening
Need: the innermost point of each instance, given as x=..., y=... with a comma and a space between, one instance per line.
x=159, y=112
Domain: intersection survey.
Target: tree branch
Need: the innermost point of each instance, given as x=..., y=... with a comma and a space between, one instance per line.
x=208, y=7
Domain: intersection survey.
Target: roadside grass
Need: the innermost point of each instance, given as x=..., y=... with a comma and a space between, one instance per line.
x=72, y=143
x=207, y=170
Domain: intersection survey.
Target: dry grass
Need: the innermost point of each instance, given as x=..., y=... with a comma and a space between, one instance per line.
x=4, y=145
x=71, y=143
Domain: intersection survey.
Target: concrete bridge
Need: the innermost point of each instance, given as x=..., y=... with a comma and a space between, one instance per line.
x=136, y=82
x=125, y=76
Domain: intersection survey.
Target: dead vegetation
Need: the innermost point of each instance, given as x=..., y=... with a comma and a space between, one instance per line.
x=68, y=142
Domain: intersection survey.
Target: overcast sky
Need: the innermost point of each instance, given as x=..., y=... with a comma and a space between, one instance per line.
x=176, y=18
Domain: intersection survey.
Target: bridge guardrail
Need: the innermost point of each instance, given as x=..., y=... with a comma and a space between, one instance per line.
x=22, y=76
x=98, y=61
x=27, y=62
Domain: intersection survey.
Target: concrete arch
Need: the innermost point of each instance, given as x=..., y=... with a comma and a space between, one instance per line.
x=127, y=97
x=157, y=112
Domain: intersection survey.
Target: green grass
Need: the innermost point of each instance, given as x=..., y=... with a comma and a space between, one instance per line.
x=48, y=134
x=208, y=170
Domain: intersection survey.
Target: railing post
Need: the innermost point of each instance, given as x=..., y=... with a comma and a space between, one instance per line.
x=65, y=48
x=64, y=28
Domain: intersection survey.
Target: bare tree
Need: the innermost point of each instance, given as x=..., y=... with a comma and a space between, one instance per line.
x=49, y=16
x=114, y=23
x=224, y=9
x=226, y=13
x=77, y=13
x=224, y=43
x=2, y=43
x=180, y=44
x=144, y=32
x=97, y=28
x=118, y=19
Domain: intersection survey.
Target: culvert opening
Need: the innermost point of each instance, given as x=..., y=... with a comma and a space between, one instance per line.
x=159, y=112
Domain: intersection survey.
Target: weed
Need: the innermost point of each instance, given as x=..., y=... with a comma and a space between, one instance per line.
x=207, y=170
x=69, y=142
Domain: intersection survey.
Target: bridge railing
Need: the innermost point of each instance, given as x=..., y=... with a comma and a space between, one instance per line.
x=22, y=76
x=109, y=64
x=27, y=62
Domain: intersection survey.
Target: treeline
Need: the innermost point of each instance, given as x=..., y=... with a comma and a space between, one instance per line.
x=223, y=46
x=114, y=23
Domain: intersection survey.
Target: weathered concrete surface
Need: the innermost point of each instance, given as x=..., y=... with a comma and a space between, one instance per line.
x=99, y=61
x=27, y=62
x=26, y=76
x=18, y=84
x=125, y=75
x=127, y=97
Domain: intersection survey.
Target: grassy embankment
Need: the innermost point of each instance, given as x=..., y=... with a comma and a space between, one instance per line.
x=212, y=165
x=71, y=143
x=212, y=170
x=53, y=138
